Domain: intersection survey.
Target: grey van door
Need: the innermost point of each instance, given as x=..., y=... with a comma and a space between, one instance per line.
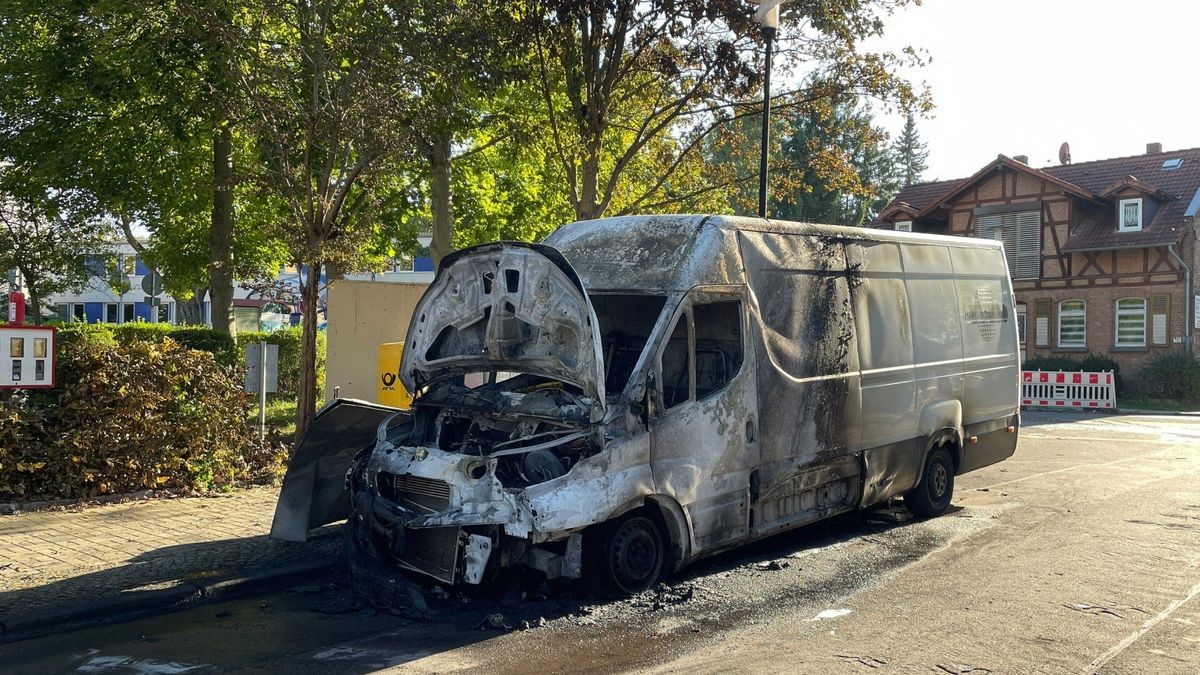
x=705, y=425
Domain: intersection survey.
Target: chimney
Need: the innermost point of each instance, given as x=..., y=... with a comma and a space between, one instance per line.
x=1024, y=159
x=1153, y=148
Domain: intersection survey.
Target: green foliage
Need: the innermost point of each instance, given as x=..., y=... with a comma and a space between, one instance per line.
x=289, y=341
x=71, y=334
x=139, y=331
x=1172, y=376
x=911, y=153
x=128, y=417
x=1092, y=363
x=220, y=345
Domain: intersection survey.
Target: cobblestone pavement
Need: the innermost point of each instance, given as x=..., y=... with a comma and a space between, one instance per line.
x=58, y=558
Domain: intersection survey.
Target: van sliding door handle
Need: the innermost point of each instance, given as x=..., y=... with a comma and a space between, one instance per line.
x=750, y=431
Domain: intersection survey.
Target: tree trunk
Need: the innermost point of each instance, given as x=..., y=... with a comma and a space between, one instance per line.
x=220, y=238
x=441, y=200
x=191, y=312
x=33, y=313
x=306, y=400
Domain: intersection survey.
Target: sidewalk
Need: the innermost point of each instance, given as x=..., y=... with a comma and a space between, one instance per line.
x=60, y=568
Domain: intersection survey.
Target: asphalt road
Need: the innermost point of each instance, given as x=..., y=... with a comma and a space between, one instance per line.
x=1080, y=554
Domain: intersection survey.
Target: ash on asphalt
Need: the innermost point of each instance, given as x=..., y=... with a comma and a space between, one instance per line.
x=810, y=568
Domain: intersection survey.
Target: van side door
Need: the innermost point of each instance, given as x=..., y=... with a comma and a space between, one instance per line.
x=705, y=421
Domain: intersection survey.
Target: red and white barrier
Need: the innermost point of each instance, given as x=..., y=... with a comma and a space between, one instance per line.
x=1068, y=390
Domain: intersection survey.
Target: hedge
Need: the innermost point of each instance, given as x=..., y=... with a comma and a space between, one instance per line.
x=126, y=417
x=218, y=344
x=1174, y=376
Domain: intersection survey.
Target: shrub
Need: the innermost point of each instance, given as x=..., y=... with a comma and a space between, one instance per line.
x=1172, y=376
x=139, y=331
x=220, y=345
x=128, y=417
x=70, y=334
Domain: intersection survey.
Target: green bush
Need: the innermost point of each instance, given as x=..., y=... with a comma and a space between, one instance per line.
x=140, y=331
x=1173, y=376
x=289, y=341
x=220, y=345
x=1092, y=363
x=128, y=417
x=70, y=334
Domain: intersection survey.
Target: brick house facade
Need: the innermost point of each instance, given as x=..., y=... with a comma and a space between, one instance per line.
x=1102, y=254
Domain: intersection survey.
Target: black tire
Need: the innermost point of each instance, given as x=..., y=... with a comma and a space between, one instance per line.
x=631, y=555
x=931, y=497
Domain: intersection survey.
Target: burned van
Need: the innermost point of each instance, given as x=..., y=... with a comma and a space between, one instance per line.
x=635, y=393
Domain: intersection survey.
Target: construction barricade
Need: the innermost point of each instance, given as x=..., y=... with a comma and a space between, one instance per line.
x=1068, y=389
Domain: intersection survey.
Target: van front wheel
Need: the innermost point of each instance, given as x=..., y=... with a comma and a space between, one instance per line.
x=632, y=555
x=931, y=497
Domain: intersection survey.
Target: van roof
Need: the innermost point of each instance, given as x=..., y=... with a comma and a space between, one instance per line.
x=676, y=252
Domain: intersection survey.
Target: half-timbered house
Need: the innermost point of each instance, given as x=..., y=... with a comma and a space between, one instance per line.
x=1102, y=254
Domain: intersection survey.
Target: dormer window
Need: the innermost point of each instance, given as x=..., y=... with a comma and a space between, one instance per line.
x=904, y=226
x=1130, y=215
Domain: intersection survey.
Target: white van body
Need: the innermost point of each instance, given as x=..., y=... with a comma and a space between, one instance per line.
x=649, y=390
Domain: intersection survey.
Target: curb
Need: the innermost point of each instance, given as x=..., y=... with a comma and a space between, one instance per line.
x=115, y=609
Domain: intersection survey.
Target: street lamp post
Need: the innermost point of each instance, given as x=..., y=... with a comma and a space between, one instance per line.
x=767, y=15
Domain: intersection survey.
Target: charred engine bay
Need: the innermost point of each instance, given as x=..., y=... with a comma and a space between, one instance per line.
x=535, y=428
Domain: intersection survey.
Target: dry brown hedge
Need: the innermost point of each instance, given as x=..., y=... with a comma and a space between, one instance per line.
x=126, y=417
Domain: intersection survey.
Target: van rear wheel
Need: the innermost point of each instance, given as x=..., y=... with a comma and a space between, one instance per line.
x=931, y=497
x=631, y=555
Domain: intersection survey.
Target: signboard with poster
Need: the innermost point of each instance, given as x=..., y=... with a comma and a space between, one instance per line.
x=26, y=356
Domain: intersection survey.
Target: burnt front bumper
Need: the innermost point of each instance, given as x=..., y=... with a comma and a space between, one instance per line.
x=381, y=529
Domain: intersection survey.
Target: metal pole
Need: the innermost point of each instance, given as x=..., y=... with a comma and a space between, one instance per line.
x=768, y=33
x=262, y=393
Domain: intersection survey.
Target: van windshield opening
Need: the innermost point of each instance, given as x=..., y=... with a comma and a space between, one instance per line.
x=625, y=325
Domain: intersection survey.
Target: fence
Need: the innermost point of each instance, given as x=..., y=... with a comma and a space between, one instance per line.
x=1068, y=389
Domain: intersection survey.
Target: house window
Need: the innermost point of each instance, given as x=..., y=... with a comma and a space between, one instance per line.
x=1131, y=322
x=164, y=312
x=77, y=312
x=110, y=312
x=1021, y=234
x=127, y=314
x=1021, y=324
x=904, y=226
x=1072, y=323
x=1131, y=215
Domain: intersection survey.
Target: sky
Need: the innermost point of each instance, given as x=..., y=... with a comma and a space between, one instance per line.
x=1019, y=77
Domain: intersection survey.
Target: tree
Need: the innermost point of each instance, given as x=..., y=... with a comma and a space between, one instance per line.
x=463, y=56
x=118, y=99
x=330, y=91
x=840, y=169
x=625, y=81
x=911, y=153
x=49, y=245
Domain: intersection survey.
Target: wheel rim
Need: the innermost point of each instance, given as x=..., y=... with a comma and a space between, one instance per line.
x=938, y=480
x=636, y=555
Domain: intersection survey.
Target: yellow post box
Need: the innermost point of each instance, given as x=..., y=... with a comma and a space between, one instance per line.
x=390, y=390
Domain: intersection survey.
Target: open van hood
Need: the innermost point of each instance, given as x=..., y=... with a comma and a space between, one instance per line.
x=506, y=306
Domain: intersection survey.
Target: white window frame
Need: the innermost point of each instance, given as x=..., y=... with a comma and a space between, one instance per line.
x=132, y=315
x=1022, y=325
x=1127, y=312
x=904, y=226
x=1072, y=313
x=116, y=310
x=71, y=312
x=1122, y=225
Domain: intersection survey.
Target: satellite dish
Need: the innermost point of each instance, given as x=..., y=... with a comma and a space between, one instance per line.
x=1064, y=153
